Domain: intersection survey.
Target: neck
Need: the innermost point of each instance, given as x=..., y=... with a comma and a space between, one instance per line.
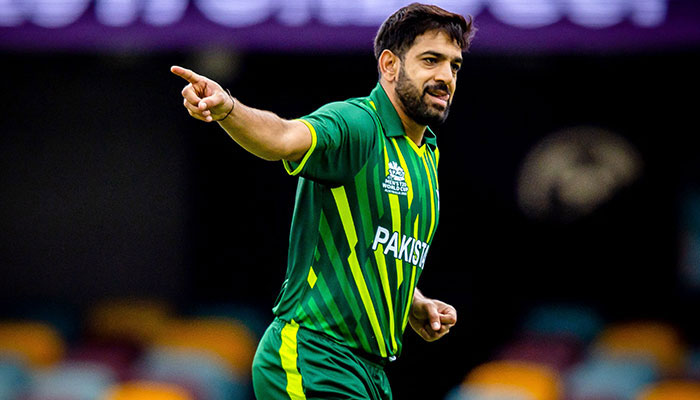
x=413, y=130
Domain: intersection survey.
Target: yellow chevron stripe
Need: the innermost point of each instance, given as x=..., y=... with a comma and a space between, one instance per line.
x=395, y=215
x=386, y=162
x=412, y=282
x=396, y=227
x=415, y=225
x=288, y=356
x=407, y=175
x=432, y=201
x=341, y=201
x=419, y=150
x=410, y=299
x=434, y=164
x=381, y=266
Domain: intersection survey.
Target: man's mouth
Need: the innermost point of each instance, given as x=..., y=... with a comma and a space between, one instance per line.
x=440, y=96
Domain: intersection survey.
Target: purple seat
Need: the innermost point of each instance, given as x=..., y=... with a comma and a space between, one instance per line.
x=556, y=352
x=593, y=398
x=119, y=357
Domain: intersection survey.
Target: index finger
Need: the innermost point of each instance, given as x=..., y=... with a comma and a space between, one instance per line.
x=448, y=316
x=186, y=74
x=448, y=319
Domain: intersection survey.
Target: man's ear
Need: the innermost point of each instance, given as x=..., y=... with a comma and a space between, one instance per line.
x=389, y=65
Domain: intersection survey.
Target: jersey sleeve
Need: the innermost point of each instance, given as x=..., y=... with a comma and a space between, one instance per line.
x=343, y=135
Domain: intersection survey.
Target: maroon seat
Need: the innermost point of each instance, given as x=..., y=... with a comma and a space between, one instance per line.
x=556, y=352
x=118, y=357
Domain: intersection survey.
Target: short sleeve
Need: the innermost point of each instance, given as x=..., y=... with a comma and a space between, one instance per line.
x=343, y=136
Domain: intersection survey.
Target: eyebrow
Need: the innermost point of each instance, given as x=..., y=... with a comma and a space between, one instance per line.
x=440, y=55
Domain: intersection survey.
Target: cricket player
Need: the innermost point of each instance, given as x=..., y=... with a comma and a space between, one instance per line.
x=367, y=207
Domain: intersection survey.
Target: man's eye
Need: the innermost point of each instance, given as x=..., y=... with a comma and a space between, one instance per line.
x=456, y=67
x=430, y=60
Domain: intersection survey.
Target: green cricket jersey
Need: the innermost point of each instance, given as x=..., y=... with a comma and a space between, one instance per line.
x=367, y=206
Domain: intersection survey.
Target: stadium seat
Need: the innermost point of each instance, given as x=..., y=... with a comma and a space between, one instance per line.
x=255, y=319
x=692, y=365
x=14, y=377
x=206, y=375
x=658, y=341
x=614, y=378
x=556, y=352
x=538, y=381
x=71, y=380
x=146, y=390
x=578, y=322
x=136, y=321
x=489, y=392
x=36, y=342
x=119, y=357
x=65, y=319
x=229, y=339
x=671, y=390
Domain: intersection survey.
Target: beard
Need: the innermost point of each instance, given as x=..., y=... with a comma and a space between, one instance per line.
x=415, y=104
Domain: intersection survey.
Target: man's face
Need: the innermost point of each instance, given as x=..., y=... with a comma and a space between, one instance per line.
x=428, y=77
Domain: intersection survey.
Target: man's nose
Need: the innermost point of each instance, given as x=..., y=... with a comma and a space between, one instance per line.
x=445, y=73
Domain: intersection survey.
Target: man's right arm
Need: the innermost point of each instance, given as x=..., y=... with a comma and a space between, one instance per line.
x=262, y=133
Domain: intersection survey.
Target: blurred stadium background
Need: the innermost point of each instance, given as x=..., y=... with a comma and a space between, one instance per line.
x=141, y=250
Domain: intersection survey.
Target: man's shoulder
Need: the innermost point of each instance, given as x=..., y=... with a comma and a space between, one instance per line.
x=350, y=109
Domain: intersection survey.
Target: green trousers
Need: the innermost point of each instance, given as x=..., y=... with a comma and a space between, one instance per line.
x=295, y=363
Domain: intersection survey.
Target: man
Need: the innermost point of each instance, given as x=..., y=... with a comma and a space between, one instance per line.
x=366, y=211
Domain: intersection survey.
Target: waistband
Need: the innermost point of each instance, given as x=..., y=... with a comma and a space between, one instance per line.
x=372, y=359
x=377, y=361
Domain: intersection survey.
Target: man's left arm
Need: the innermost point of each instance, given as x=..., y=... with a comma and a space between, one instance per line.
x=430, y=318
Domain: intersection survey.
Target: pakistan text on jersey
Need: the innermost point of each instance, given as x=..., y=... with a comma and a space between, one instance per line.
x=409, y=249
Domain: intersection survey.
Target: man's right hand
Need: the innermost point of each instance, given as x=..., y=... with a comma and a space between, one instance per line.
x=204, y=99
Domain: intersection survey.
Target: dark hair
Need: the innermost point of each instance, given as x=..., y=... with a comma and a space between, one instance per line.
x=400, y=30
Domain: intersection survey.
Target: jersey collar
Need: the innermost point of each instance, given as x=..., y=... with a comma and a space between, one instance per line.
x=390, y=118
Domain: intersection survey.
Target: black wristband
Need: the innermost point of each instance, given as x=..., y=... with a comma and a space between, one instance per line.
x=233, y=104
